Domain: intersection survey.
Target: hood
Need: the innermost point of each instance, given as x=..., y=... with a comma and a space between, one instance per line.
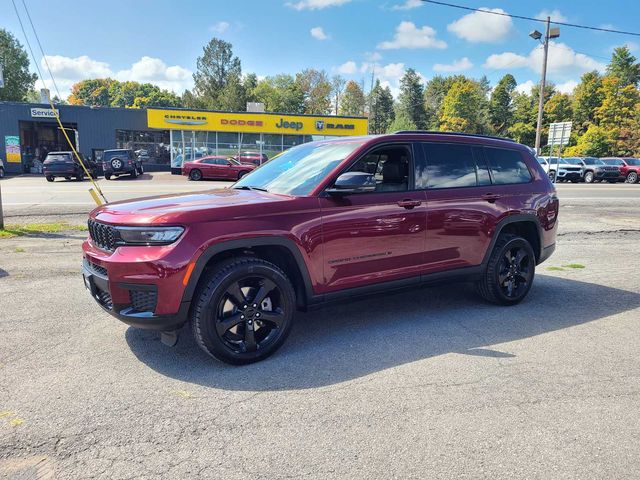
x=188, y=208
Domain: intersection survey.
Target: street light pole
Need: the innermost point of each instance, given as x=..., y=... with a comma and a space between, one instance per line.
x=542, y=85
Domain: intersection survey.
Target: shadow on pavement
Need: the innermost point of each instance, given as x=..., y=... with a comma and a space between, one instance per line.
x=351, y=340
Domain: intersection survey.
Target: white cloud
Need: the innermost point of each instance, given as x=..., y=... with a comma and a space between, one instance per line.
x=372, y=56
x=525, y=87
x=409, y=36
x=347, y=68
x=154, y=70
x=480, y=27
x=563, y=60
x=408, y=5
x=456, y=66
x=315, y=4
x=220, y=27
x=567, y=87
x=389, y=74
x=555, y=15
x=318, y=33
x=67, y=71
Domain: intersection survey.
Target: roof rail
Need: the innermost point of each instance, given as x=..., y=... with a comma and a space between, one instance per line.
x=455, y=134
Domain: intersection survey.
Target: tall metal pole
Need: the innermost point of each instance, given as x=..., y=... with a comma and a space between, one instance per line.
x=1, y=212
x=542, y=85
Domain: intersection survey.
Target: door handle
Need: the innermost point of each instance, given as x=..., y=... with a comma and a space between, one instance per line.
x=409, y=204
x=491, y=197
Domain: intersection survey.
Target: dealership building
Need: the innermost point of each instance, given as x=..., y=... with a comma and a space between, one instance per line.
x=163, y=138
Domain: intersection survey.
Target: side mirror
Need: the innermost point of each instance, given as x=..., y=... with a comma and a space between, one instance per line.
x=353, y=182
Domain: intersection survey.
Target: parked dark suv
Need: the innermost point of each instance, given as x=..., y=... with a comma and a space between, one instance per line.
x=66, y=165
x=323, y=221
x=121, y=162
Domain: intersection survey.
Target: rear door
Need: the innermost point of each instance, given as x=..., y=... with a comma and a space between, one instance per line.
x=377, y=236
x=462, y=205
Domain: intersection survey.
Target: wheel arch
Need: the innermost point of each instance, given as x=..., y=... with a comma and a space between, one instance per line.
x=280, y=251
x=524, y=225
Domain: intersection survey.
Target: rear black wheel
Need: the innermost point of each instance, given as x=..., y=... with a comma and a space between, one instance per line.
x=243, y=311
x=50, y=178
x=107, y=176
x=195, y=175
x=510, y=271
x=134, y=173
x=80, y=177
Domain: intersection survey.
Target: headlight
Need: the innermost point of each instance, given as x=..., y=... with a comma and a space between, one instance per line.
x=148, y=235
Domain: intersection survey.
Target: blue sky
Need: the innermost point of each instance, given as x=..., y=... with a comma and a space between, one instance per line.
x=159, y=41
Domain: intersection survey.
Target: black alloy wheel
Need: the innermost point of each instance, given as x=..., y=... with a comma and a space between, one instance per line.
x=510, y=271
x=552, y=176
x=50, y=178
x=241, y=174
x=195, y=175
x=245, y=311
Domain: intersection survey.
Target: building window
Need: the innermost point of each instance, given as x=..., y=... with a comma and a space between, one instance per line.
x=152, y=147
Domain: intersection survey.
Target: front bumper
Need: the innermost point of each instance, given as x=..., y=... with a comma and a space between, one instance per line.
x=563, y=174
x=98, y=287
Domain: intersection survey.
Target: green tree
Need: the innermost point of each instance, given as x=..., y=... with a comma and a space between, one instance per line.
x=411, y=99
x=463, y=108
x=93, y=92
x=402, y=121
x=280, y=93
x=381, y=112
x=353, y=101
x=250, y=82
x=501, y=104
x=624, y=66
x=558, y=108
x=619, y=114
x=14, y=63
x=215, y=69
x=587, y=97
x=522, y=132
x=596, y=142
x=316, y=90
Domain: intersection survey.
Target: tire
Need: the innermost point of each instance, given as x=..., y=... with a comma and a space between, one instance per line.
x=195, y=175
x=255, y=337
x=241, y=174
x=50, y=178
x=491, y=288
x=552, y=175
x=632, y=177
x=1, y=172
x=67, y=178
x=80, y=178
x=589, y=177
x=134, y=174
x=107, y=176
x=117, y=163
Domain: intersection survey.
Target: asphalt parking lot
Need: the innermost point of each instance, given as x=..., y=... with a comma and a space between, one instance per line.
x=430, y=383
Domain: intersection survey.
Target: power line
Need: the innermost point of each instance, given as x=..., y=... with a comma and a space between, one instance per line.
x=532, y=19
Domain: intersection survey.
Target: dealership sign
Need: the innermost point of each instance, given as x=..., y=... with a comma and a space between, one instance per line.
x=44, y=113
x=250, y=122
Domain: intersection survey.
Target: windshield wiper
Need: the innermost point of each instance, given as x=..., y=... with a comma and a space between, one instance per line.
x=249, y=187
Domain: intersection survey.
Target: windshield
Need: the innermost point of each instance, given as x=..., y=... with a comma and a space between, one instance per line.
x=541, y=161
x=572, y=161
x=300, y=169
x=234, y=161
x=593, y=161
x=633, y=161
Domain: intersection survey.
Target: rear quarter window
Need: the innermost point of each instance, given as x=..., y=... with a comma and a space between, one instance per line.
x=507, y=166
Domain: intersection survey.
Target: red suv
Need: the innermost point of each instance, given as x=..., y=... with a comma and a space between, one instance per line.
x=322, y=222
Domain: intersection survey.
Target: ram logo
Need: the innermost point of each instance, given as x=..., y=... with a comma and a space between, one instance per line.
x=319, y=124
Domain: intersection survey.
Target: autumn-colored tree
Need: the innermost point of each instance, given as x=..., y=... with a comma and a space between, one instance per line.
x=353, y=101
x=463, y=108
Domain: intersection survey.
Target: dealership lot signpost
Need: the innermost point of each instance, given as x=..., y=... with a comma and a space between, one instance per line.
x=559, y=134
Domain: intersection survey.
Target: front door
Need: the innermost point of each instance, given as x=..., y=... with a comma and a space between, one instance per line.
x=377, y=236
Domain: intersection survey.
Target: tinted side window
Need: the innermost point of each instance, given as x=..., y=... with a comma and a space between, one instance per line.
x=482, y=168
x=507, y=166
x=445, y=166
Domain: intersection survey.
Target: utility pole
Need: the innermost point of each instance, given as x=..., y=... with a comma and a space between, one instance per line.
x=536, y=35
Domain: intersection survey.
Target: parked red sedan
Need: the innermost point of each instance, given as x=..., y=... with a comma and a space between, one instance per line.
x=215, y=167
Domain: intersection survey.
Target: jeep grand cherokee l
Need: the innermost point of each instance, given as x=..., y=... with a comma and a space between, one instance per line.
x=66, y=165
x=323, y=221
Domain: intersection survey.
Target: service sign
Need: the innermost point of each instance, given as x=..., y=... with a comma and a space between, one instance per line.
x=44, y=113
x=256, y=123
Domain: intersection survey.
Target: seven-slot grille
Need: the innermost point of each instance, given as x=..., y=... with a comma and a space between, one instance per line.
x=104, y=236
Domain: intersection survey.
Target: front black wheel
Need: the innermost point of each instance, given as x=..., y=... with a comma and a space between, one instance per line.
x=244, y=310
x=50, y=178
x=589, y=177
x=510, y=271
x=195, y=175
